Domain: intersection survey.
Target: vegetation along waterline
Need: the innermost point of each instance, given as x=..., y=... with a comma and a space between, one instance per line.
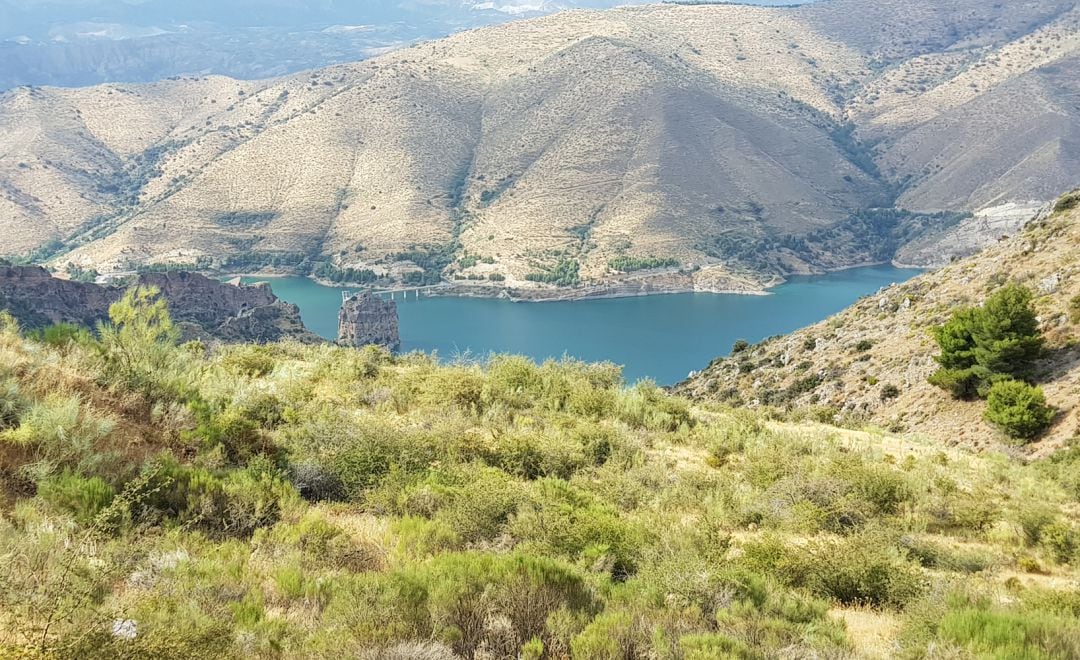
x=289, y=500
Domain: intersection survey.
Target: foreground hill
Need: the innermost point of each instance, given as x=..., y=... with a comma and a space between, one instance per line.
x=873, y=359
x=291, y=501
x=737, y=143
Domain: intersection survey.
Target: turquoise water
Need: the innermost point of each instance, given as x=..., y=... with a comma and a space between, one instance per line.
x=659, y=337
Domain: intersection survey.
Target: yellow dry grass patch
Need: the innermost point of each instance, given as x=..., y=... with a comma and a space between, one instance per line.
x=873, y=632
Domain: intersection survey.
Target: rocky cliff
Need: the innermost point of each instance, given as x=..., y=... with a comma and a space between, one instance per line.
x=202, y=307
x=367, y=319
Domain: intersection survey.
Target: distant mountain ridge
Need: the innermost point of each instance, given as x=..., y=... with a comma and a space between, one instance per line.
x=70, y=44
x=582, y=147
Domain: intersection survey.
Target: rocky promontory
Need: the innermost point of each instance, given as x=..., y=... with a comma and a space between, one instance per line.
x=202, y=307
x=368, y=319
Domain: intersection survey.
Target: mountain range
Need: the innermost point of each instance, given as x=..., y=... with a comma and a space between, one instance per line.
x=736, y=144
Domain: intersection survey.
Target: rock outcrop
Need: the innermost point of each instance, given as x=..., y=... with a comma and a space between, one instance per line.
x=202, y=307
x=367, y=319
x=37, y=299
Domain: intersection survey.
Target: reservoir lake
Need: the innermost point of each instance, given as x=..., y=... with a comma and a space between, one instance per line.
x=662, y=337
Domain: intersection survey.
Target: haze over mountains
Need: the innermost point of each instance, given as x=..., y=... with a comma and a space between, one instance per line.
x=744, y=143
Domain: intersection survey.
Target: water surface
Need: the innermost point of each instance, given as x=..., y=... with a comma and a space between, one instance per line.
x=660, y=337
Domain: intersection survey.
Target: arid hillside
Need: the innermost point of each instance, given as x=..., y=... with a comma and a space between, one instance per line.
x=874, y=359
x=737, y=144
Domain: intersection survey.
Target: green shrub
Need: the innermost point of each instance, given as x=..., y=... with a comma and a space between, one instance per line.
x=233, y=505
x=250, y=359
x=1067, y=202
x=83, y=498
x=1018, y=409
x=420, y=538
x=647, y=406
x=868, y=569
x=1061, y=540
x=610, y=636
x=889, y=392
x=62, y=335
x=980, y=346
x=57, y=433
x=480, y=509
x=564, y=521
x=239, y=436
x=960, y=560
x=1074, y=310
x=139, y=347
x=12, y=404
x=1014, y=635
x=514, y=381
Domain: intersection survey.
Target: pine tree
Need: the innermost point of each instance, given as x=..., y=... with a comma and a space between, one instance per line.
x=980, y=346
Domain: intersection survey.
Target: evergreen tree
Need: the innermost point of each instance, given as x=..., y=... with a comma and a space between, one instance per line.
x=1006, y=334
x=959, y=372
x=981, y=346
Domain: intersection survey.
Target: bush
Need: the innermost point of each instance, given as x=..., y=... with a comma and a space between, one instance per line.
x=1027, y=635
x=62, y=335
x=564, y=521
x=647, y=406
x=139, y=347
x=865, y=569
x=12, y=403
x=1067, y=202
x=935, y=555
x=233, y=505
x=1018, y=409
x=81, y=497
x=610, y=636
x=250, y=360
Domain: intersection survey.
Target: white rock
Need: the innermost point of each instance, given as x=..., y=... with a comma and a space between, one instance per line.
x=125, y=629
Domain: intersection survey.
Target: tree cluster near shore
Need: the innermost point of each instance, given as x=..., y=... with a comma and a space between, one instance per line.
x=286, y=501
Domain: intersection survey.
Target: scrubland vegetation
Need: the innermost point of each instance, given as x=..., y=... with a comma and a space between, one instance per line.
x=289, y=501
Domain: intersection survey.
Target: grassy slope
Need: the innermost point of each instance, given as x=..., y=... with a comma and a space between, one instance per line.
x=847, y=362
x=296, y=501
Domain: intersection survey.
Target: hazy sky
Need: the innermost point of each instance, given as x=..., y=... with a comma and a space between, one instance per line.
x=83, y=42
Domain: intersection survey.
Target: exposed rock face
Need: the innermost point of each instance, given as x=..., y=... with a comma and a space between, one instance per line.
x=227, y=312
x=202, y=307
x=37, y=299
x=367, y=319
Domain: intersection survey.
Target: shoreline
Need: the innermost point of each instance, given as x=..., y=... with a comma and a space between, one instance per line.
x=634, y=288
x=454, y=290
